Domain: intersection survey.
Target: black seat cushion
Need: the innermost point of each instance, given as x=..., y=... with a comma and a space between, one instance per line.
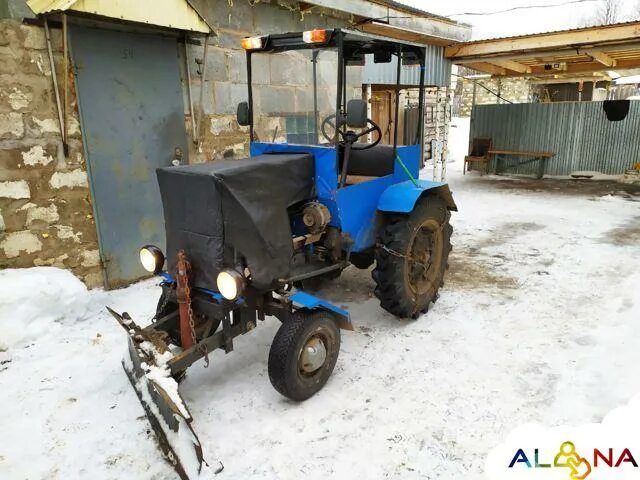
x=373, y=162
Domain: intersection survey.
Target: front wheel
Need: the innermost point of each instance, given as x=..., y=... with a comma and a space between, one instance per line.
x=303, y=354
x=411, y=258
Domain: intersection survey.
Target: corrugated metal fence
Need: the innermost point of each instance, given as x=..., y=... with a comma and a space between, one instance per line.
x=577, y=132
x=437, y=71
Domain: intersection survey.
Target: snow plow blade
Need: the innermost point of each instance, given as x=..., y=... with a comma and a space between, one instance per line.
x=145, y=365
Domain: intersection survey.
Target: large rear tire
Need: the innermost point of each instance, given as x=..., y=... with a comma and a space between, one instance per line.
x=303, y=354
x=411, y=258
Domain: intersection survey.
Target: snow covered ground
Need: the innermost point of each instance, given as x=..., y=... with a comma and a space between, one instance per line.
x=537, y=321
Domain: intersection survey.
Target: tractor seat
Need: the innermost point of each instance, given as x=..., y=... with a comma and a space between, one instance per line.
x=374, y=162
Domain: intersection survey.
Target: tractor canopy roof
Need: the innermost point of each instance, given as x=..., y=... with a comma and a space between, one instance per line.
x=355, y=44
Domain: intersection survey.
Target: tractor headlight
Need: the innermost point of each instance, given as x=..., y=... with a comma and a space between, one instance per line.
x=152, y=259
x=230, y=284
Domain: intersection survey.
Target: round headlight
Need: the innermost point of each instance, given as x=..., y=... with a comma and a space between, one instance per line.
x=151, y=258
x=230, y=284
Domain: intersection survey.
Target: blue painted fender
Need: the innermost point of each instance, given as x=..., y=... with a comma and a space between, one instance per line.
x=307, y=300
x=402, y=197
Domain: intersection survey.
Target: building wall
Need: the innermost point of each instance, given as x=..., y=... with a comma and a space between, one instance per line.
x=563, y=92
x=515, y=90
x=45, y=207
x=226, y=78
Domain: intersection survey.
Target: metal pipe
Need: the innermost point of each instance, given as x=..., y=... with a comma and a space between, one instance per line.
x=198, y=140
x=65, y=50
x=397, y=102
x=314, y=60
x=250, y=96
x=189, y=94
x=420, y=132
x=340, y=87
x=53, y=76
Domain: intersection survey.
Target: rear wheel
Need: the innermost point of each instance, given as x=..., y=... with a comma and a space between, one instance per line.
x=411, y=258
x=303, y=354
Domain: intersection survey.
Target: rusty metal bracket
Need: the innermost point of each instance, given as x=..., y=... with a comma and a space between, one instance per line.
x=183, y=292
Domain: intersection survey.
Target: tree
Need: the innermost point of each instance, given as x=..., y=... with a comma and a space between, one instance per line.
x=607, y=12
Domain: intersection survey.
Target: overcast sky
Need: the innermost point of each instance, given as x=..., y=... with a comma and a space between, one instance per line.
x=520, y=21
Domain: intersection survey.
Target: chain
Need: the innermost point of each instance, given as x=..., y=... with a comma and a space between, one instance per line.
x=202, y=348
x=408, y=257
x=401, y=255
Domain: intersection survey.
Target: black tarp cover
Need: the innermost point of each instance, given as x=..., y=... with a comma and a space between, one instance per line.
x=212, y=208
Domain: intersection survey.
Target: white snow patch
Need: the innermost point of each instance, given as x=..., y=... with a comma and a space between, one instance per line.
x=36, y=302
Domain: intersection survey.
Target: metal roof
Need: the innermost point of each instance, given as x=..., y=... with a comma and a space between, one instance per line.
x=563, y=53
x=414, y=10
x=551, y=32
x=176, y=14
x=437, y=70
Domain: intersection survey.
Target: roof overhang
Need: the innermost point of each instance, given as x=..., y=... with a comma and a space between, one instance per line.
x=174, y=14
x=395, y=20
x=567, y=53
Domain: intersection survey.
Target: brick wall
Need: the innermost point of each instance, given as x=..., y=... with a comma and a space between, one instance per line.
x=45, y=210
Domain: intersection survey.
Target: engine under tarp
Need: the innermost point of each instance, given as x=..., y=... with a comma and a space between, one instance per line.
x=212, y=208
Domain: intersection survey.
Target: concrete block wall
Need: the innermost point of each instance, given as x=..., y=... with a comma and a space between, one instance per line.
x=515, y=90
x=45, y=207
x=278, y=84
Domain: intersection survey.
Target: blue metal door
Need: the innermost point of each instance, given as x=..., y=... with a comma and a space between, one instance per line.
x=132, y=118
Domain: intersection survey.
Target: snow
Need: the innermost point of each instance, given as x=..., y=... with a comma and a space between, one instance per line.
x=537, y=322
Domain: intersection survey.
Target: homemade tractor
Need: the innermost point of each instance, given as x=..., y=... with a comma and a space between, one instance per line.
x=245, y=238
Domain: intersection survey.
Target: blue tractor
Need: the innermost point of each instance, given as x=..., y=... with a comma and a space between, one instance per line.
x=249, y=238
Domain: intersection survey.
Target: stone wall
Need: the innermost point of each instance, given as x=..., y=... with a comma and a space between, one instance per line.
x=45, y=208
x=515, y=90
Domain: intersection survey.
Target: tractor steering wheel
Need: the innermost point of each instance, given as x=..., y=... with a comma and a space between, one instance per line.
x=350, y=136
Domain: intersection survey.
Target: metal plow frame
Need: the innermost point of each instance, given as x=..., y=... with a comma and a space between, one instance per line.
x=171, y=424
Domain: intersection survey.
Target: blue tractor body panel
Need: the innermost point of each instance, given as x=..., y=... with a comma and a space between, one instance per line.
x=402, y=197
x=310, y=302
x=354, y=208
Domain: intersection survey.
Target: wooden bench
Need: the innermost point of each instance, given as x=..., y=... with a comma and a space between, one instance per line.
x=501, y=155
